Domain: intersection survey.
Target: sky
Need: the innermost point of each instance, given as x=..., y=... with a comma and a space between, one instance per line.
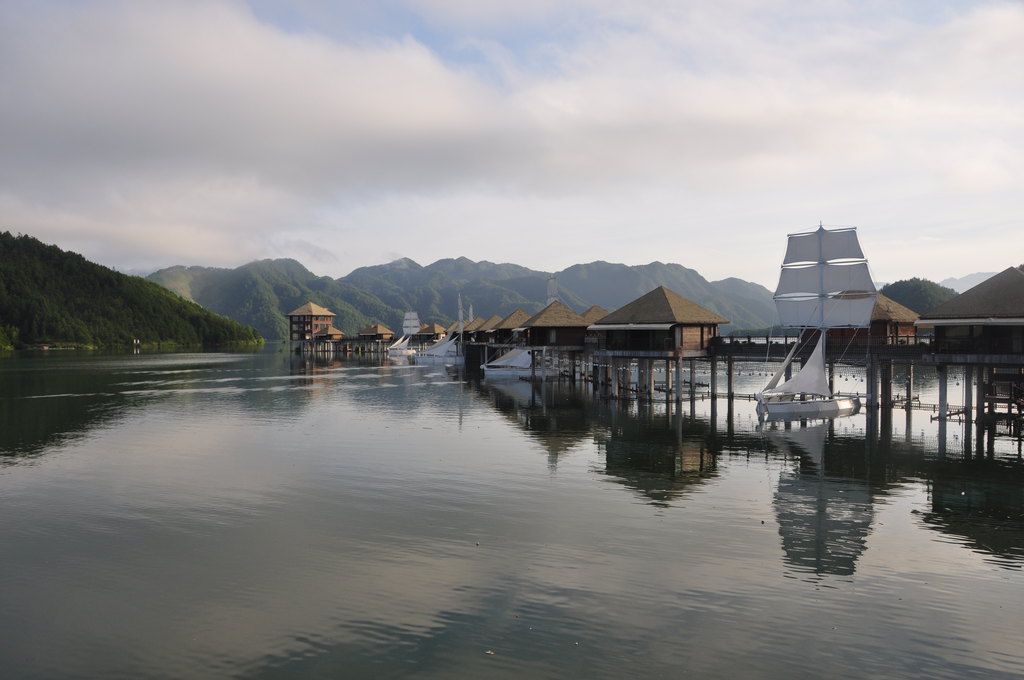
x=344, y=133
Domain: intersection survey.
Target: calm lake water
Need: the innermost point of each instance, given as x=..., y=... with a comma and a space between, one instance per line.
x=259, y=516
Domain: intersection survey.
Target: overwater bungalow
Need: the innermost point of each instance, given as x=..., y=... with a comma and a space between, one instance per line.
x=485, y=331
x=429, y=333
x=987, y=319
x=376, y=333
x=504, y=332
x=556, y=326
x=661, y=323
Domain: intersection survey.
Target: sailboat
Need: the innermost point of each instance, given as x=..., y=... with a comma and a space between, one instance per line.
x=824, y=283
x=410, y=326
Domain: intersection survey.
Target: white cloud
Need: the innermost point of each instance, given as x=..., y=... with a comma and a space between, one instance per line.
x=124, y=122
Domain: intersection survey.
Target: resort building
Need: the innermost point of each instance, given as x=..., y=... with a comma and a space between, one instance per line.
x=309, y=321
x=661, y=323
x=987, y=319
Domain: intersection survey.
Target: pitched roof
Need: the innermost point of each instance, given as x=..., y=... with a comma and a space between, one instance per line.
x=377, y=329
x=474, y=324
x=595, y=313
x=514, y=320
x=331, y=330
x=555, y=315
x=432, y=329
x=662, y=305
x=1001, y=296
x=887, y=309
x=311, y=309
x=490, y=324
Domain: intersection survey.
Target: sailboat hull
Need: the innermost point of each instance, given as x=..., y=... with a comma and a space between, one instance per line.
x=835, y=407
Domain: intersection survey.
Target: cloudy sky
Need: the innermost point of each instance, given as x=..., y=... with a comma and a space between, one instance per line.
x=144, y=134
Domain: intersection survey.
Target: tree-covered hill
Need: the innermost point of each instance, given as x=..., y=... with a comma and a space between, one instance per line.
x=917, y=294
x=261, y=293
x=49, y=296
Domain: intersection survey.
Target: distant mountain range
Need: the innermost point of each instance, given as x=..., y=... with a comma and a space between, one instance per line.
x=261, y=293
x=966, y=282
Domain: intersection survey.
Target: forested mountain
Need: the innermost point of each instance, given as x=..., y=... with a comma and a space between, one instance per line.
x=49, y=296
x=261, y=293
x=917, y=294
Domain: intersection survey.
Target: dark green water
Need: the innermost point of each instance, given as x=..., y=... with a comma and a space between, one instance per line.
x=254, y=516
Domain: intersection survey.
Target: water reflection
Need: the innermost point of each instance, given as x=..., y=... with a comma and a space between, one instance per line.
x=824, y=520
x=982, y=506
x=280, y=517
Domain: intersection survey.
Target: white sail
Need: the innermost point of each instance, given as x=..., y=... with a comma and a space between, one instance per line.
x=825, y=281
x=823, y=245
x=411, y=324
x=810, y=379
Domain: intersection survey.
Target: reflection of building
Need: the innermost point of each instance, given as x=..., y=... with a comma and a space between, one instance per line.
x=823, y=520
x=557, y=420
x=984, y=508
x=661, y=456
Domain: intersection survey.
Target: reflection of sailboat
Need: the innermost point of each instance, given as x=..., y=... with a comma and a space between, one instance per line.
x=825, y=283
x=823, y=520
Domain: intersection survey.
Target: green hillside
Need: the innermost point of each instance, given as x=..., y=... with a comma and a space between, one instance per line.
x=261, y=293
x=917, y=294
x=49, y=296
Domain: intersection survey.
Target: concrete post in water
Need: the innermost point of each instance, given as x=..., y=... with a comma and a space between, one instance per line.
x=871, y=381
x=886, y=388
x=910, y=385
x=943, y=401
x=968, y=392
x=714, y=378
x=693, y=379
x=679, y=379
x=729, y=377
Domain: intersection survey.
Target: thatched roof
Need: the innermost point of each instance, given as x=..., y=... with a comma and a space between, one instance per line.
x=432, y=329
x=490, y=324
x=887, y=309
x=516, y=319
x=377, y=329
x=555, y=315
x=594, y=314
x=311, y=309
x=1000, y=297
x=474, y=324
x=331, y=330
x=662, y=305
